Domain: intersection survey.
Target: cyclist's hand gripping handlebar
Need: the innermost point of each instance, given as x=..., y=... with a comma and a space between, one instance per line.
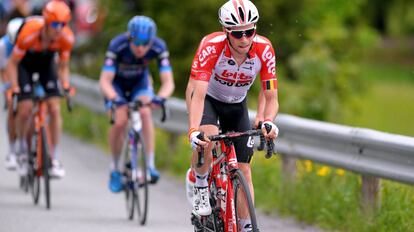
x=262, y=138
x=200, y=159
x=68, y=93
x=269, y=143
x=161, y=102
x=14, y=103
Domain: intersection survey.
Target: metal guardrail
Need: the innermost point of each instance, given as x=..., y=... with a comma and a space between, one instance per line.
x=360, y=150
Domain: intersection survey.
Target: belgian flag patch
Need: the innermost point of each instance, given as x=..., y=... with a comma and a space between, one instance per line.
x=270, y=84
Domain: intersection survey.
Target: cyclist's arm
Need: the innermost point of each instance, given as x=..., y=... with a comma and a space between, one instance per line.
x=197, y=103
x=189, y=93
x=167, y=84
x=63, y=72
x=105, y=83
x=271, y=104
x=260, y=108
x=12, y=73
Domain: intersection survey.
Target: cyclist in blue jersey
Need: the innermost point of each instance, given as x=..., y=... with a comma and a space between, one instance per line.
x=125, y=77
x=6, y=47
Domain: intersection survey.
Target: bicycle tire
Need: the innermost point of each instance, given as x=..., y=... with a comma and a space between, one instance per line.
x=239, y=182
x=141, y=187
x=45, y=165
x=129, y=192
x=33, y=172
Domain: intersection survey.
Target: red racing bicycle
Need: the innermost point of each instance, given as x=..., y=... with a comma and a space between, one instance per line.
x=230, y=197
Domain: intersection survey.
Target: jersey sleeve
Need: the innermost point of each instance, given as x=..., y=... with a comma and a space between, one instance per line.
x=68, y=39
x=3, y=53
x=268, y=71
x=205, y=59
x=23, y=42
x=163, y=59
x=110, y=58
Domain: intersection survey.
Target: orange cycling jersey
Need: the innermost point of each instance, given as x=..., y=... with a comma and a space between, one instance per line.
x=30, y=39
x=229, y=82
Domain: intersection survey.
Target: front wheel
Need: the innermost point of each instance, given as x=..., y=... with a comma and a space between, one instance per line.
x=141, y=177
x=243, y=203
x=45, y=165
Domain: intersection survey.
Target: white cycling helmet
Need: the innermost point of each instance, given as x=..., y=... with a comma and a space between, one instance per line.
x=13, y=27
x=235, y=13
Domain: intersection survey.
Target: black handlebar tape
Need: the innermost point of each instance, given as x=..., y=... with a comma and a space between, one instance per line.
x=164, y=113
x=112, y=120
x=269, y=151
x=69, y=103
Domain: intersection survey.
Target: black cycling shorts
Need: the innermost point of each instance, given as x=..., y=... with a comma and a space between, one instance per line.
x=42, y=63
x=231, y=117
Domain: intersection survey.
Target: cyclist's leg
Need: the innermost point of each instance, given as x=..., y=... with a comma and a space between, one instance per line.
x=23, y=117
x=116, y=138
x=231, y=121
x=11, y=132
x=144, y=92
x=201, y=203
x=48, y=80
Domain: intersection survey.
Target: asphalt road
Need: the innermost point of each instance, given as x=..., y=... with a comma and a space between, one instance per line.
x=81, y=201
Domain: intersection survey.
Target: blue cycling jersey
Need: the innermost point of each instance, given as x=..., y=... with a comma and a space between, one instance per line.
x=6, y=47
x=129, y=69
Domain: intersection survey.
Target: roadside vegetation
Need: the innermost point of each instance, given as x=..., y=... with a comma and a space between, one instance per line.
x=348, y=62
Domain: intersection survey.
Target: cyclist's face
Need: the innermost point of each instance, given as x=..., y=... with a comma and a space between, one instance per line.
x=55, y=29
x=140, y=50
x=241, y=38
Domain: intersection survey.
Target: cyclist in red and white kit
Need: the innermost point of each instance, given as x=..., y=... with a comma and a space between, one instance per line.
x=223, y=70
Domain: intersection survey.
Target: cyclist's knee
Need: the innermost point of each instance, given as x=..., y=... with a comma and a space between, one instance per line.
x=54, y=110
x=25, y=110
x=245, y=168
x=145, y=113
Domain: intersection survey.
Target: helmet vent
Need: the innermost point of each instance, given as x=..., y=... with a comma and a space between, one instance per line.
x=250, y=16
x=241, y=13
x=234, y=18
x=255, y=18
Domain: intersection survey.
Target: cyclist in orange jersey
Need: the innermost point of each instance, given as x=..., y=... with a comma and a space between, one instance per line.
x=39, y=40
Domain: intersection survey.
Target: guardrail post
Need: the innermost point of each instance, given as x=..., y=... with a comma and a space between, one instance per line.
x=288, y=168
x=370, y=194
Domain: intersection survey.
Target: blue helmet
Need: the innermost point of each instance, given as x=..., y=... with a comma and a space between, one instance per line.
x=142, y=30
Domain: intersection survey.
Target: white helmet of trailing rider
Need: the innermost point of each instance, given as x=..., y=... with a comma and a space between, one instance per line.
x=13, y=27
x=235, y=13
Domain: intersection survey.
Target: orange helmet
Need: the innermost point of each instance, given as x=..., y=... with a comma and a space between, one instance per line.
x=56, y=11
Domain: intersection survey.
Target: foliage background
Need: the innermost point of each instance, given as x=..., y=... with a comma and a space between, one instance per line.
x=344, y=61
x=319, y=44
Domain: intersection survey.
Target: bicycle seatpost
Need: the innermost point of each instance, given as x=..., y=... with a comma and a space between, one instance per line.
x=200, y=160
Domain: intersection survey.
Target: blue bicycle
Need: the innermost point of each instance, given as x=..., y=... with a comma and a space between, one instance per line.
x=136, y=175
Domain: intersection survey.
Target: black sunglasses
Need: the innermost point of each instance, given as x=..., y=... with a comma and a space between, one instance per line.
x=239, y=34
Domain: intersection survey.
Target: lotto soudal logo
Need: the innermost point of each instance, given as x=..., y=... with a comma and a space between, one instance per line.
x=236, y=75
x=230, y=83
x=269, y=59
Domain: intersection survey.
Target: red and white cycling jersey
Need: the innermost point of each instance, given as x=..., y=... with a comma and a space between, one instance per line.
x=229, y=82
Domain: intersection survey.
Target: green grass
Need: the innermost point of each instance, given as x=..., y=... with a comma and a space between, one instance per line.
x=388, y=102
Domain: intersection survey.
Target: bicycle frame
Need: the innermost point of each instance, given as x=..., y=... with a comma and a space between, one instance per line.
x=224, y=166
x=224, y=170
x=39, y=120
